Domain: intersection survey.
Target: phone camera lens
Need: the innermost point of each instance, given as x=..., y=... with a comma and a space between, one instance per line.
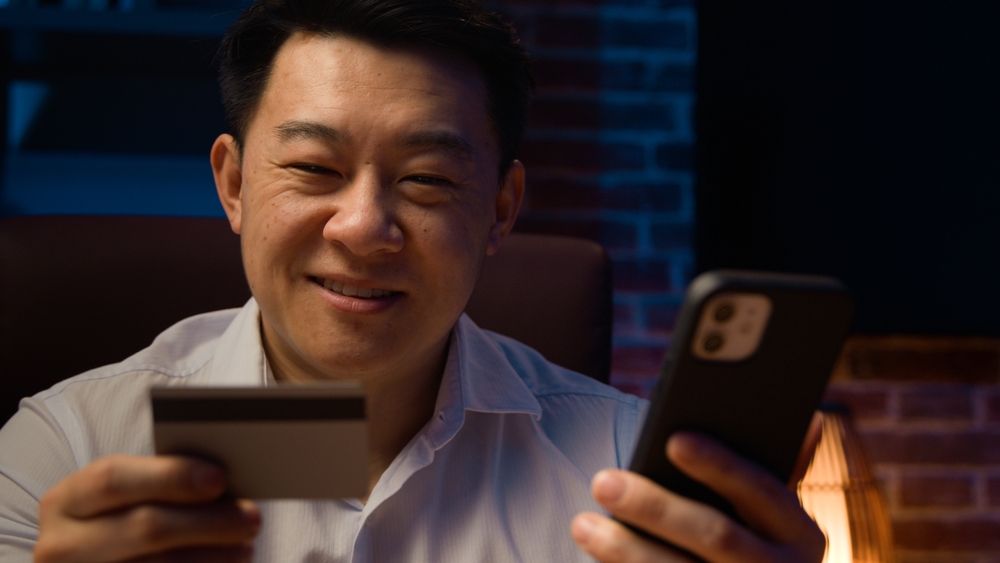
x=713, y=342
x=723, y=312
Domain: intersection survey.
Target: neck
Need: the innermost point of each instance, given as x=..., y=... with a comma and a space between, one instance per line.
x=400, y=398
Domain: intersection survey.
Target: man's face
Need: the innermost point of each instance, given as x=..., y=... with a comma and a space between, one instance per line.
x=367, y=198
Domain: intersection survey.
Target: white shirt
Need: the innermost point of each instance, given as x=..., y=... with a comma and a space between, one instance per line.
x=496, y=475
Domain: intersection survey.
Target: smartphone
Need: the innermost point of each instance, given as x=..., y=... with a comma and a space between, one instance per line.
x=750, y=358
x=290, y=441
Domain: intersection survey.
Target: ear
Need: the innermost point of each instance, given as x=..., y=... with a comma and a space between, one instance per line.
x=508, y=204
x=228, y=179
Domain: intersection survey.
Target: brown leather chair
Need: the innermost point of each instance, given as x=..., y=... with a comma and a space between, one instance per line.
x=77, y=292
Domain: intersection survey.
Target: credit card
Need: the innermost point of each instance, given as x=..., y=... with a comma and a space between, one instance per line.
x=290, y=441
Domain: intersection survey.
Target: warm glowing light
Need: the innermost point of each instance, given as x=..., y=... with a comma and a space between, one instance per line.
x=841, y=495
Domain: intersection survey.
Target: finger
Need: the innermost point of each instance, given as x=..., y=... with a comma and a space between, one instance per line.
x=809, y=444
x=693, y=526
x=236, y=554
x=764, y=503
x=151, y=529
x=119, y=481
x=610, y=542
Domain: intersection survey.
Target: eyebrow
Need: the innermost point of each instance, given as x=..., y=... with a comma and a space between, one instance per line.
x=441, y=140
x=294, y=130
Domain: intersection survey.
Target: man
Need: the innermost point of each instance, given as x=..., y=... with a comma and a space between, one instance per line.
x=370, y=172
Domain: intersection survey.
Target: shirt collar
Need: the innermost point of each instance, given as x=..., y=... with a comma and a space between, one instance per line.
x=239, y=355
x=489, y=381
x=477, y=377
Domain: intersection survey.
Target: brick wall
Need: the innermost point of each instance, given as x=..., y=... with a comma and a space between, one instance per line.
x=609, y=153
x=928, y=411
x=609, y=157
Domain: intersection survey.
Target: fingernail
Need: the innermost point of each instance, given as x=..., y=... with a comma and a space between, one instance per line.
x=208, y=477
x=609, y=486
x=583, y=527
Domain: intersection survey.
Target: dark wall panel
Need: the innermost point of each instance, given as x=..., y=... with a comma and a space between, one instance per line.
x=859, y=138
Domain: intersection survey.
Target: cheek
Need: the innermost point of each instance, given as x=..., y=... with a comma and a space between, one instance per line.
x=277, y=230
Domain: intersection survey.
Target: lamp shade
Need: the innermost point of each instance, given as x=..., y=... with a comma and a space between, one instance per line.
x=840, y=493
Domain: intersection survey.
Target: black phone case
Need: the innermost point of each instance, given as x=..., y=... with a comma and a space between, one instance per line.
x=760, y=407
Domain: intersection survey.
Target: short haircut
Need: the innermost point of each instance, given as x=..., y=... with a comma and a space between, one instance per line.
x=463, y=28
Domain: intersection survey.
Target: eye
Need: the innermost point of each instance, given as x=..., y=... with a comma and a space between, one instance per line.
x=313, y=169
x=429, y=180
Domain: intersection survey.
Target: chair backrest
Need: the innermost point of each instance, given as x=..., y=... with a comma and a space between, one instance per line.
x=77, y=292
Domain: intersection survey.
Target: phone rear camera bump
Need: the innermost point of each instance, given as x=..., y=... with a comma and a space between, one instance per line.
x=713, y=342
x=723, y=312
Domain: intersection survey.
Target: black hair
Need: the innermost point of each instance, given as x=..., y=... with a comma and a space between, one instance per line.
x=461, y=27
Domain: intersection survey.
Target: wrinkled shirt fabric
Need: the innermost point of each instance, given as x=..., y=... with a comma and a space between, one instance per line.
x=497, y=474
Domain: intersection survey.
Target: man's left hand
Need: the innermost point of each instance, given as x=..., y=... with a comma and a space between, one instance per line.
x=776, y=528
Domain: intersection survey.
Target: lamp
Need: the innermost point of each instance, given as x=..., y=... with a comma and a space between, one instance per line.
x=841, y=495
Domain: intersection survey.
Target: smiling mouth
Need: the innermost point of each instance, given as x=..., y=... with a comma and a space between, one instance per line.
x=354, y=291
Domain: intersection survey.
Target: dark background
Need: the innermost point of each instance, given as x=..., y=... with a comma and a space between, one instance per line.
x=861, y=139
x=844, y=137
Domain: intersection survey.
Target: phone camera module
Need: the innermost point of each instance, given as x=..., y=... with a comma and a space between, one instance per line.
x=723, y=312
x=713, y=342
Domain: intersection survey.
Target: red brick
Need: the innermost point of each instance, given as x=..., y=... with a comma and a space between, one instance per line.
x=674, y=78
x=646, y=33
x=640, y=385
x=662, y=316
x=565, y=30
x=650, y=3
x=588, y=229
x=672, y=236
x=556, y=3
x=659, y=116
x=554, y=112
x=582, y=156
x=936, y=491
x=562, y=194
x=624, y=317
x=561, y=73
x=971, y=447
x=993, y=491
x=944, y=402
x=675, y=156
x=611, y=234
x=657, y=197
x=993, y=406
x=967, y=534
x=928, y=359
x=568, y=193
x=643, y=360
x=643, y=275
x=863, y=403
x=626, y=75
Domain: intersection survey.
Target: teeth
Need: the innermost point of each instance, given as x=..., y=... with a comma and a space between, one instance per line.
x=352, y=291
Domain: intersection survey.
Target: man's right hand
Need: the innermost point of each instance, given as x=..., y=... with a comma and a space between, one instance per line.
x=128, y=508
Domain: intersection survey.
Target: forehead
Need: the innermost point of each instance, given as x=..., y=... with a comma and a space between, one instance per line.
x=350, y=83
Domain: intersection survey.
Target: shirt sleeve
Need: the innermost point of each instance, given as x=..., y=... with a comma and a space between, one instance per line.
x=34, y=455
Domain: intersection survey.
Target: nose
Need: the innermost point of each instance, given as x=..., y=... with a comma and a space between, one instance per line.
x=363, y=221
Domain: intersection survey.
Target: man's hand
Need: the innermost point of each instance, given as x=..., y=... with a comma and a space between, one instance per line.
x=777, y=529
x=126, y=508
